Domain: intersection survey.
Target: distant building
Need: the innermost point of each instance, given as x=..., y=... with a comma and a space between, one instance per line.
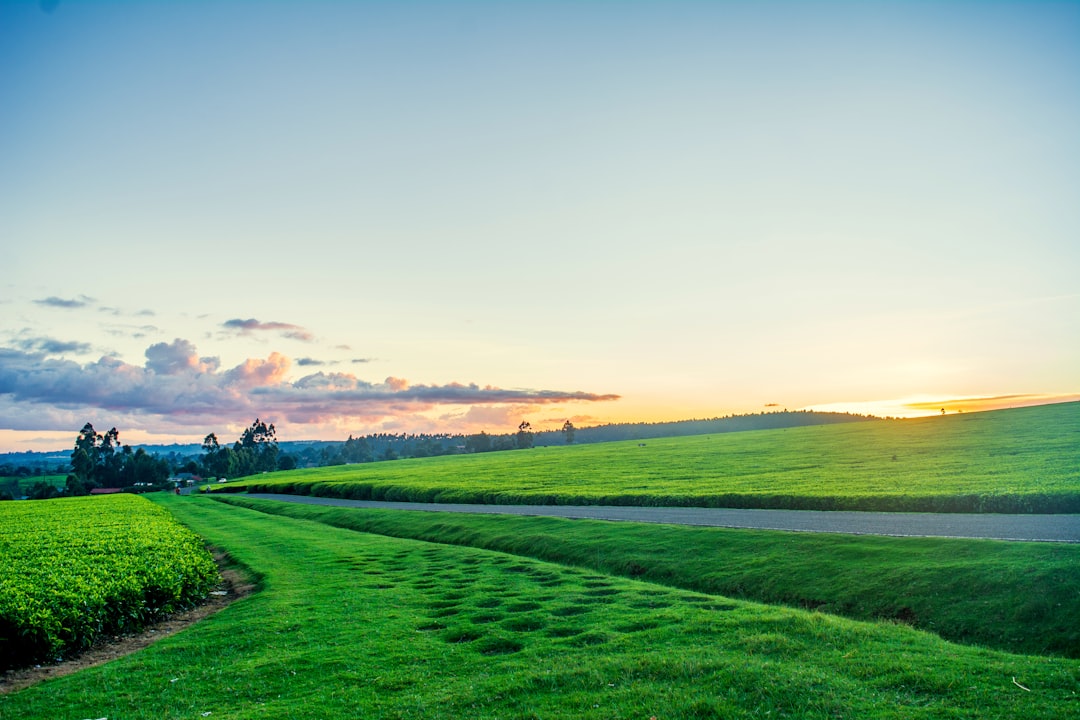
x=185, y=479
x=106, y=491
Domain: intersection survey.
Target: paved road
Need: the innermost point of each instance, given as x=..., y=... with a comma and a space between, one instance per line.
x=1042, y=528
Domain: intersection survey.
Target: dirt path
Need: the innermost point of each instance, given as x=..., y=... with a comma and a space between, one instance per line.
x=1039, y=528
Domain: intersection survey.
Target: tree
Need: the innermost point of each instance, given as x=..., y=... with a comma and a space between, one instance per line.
x=99, y=460
x=94, y=461
x=524, y=437
x=356, y=450
x=109, y=462
x=84, y=456
x=478, y=443
x=568, y=432
x=143, y=468
x=216, y=458
x=258, y=434
x=331, y=455
x=9, y=489
x=42, y=490
x=256, y=450
x=75, y=487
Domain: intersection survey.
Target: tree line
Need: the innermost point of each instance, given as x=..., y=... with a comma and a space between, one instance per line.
x=100, y=460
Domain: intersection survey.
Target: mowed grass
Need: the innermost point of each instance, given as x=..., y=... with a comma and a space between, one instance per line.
x=1020, y=460
x=1022, y=597
x=350, y=625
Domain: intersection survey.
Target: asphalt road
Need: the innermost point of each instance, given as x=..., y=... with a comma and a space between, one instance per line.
x=1039, y=528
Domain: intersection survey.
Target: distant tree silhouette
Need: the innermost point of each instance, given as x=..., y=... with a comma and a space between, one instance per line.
x=524, y=437
x=481, y=442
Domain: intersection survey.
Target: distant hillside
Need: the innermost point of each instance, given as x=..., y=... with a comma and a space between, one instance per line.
x=405, y=445
x=678, y=428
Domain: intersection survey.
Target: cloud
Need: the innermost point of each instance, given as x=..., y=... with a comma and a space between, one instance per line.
x=498, y=416
x=133, y=331
x=254, y=373
x=361, y=361
x=309, y=362
x=178, y=357
x=178, y=388
x=246, y=327
x=54, y=347
x=56, y=302
x=119, y=313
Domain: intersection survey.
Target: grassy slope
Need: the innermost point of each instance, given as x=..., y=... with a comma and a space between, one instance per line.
x=26, y=483
x=354, y=625
x=1022, y=460
x=1023, y=597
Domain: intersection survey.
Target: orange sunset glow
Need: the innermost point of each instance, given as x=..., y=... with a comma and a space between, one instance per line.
x=464, y=217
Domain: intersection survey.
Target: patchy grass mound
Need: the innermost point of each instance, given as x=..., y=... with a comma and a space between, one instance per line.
x=1022, y=597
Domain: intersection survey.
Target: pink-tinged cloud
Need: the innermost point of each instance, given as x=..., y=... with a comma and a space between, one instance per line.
x=178, y=357
x=176, y=388
x=245, y=327
x=254, y=373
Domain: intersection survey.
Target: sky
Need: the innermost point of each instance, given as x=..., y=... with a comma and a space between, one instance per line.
x=354, y=217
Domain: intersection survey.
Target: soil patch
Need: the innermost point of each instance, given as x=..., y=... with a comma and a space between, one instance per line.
x=234, y=585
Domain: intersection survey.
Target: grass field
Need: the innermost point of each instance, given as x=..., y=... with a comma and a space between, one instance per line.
x=350, y=624
x=1020, y=460
x=1022, y=597
x=25, y=483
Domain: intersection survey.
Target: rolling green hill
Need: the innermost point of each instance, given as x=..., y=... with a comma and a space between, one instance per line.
x=1019, y=460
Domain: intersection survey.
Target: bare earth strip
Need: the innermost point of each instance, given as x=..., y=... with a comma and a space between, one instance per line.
x=1038, y=528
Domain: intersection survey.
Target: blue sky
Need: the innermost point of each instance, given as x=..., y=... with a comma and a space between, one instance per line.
x=356, y=217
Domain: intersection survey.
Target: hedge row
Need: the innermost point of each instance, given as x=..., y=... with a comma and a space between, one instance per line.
x=1029, y=503
x=78, y=569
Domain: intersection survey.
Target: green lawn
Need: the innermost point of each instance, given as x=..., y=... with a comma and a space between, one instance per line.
x=1022, y=597
x=1021, y=460
x=351, y=625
